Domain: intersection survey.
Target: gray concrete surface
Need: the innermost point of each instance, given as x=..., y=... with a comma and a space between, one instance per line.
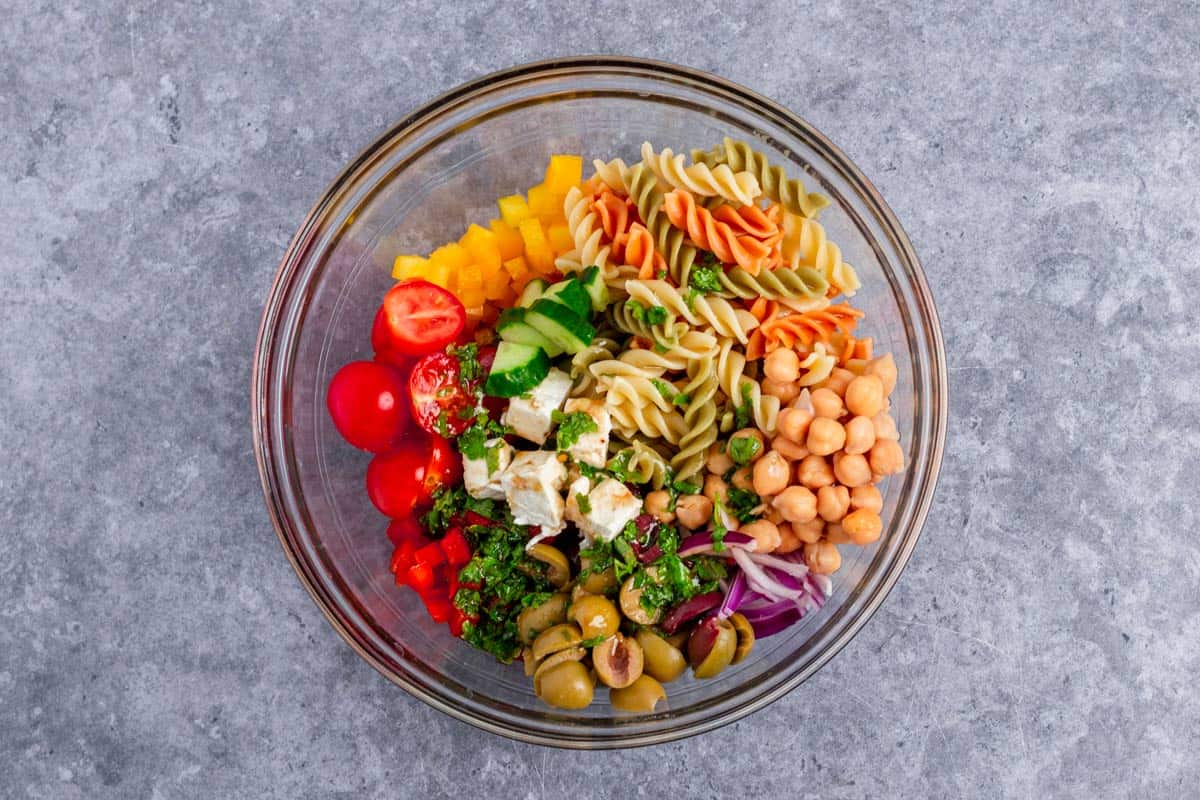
x=156, y=157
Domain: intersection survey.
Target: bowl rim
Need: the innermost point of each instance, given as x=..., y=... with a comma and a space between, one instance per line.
x=268, y=330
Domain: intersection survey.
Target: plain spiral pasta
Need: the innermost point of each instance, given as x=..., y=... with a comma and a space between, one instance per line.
x=773, y=179
x=714, y=312
x=701, y=179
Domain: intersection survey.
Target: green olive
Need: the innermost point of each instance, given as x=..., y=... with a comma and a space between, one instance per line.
x=559, y=637
x=567, y=685
x=678, y=640
x=631, y=603
x=570, y=654
x=596, y=616
x=640, y=696
x=745, y=637
x=662, y=661
x=711, y=647
x=578, y=591
x=597, y=582
x=618, y=661
x=533, y=621
x=558, y=569
x=529, y=662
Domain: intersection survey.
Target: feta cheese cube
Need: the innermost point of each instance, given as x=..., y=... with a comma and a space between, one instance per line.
x=605, y=510
x=531, y=487
x=530, y=415
x=591, y=448
x=481, y=483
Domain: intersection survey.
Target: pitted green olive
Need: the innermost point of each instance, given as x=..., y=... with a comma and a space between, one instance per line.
x=559, y=637
x=570, y=654
x=631, y=602
x=678, y=640
x=745, y=637
x=595, y=615
x=558, y=569
x=618, y=661
x=711, y=647
x=567, y=685
x=533, y=621
x=639, y=697
x=603, y=582
x=529, y=662
x=661, y=660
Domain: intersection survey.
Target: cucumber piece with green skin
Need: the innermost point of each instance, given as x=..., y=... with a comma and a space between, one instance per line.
x=560, y=325
x=572, y=295
x=592, y=282
x=532, y=291
x=517, y=369
x=513, y=327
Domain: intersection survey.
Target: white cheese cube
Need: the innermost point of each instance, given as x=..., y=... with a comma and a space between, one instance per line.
x=531, y=487
x=481, y=483
x=604, y=511
x=591, y=448
x=530, y=415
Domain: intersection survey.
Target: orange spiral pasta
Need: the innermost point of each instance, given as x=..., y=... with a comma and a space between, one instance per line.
x=749, y=221
x=640, y=252
x=711, y=234
x=802, y=331
x=615, y=214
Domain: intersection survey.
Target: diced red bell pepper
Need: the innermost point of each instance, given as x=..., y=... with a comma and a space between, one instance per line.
x=420, y=577
x=403, y=529
x=451, y=581
x=477, y=519
x=431, y=555
x=457, y=618
x=456, y=547
x=439, y=608
x=402, y=558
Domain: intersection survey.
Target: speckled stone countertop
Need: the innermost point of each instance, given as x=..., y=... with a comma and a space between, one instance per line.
x=1044, y=158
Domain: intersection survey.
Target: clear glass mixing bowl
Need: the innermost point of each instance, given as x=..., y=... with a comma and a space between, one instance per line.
x=418, y=186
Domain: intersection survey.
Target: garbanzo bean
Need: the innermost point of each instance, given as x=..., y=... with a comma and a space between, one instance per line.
x=693, y=510
x=782, y=365
x=773, y=515
x=822, y=558
x=838, y=380
x=657, y=504
x=809, y=532
x=852, y=470
x=886, y=457
x=747, y=451
x=788, y=448
x=826, y=403
x=765, y=534
x=862, y=526
x=742, y=478
x=718, y=461
x=884, y=368
x=860, y=435
x=885, y=426
x=786, y=391
x=715, y=489
x=796, y=503
x=835, y=534
x=789, y=542
x=793, y=423
x=833, y=502
x=814, y=472
x=825, y=436
x=771, y=474
x=866, y=497
x=864, y=395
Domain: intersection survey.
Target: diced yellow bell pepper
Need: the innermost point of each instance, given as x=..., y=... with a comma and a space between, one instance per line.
x=437, y=272
x=453, y=255
x=538, y=254
x=563, y=172
x=513, y=209
x=470, y=277
x=496, y=285
x=409, y=267
x=472, y=297
x=560, y=238
x=482, y=245
x=516, y=267
x=541, y=202
x=507, y=239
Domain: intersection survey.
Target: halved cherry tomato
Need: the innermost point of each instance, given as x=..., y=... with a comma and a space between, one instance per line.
x=385, y=350
x=367, y=403
x=422, y=317
x=440, y=404
x=495, y=405
x=442, y=467
x=396, y=480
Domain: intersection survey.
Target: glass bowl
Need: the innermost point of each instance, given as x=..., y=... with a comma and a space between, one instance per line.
x=420, y=185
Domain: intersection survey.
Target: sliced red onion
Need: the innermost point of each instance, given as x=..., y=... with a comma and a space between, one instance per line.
x=799, y=569
x=689, y=610
x=789, y=581
x=773, y=625
x=733, y=596
x=702, y=544
x=766, y=611
x=761, y=582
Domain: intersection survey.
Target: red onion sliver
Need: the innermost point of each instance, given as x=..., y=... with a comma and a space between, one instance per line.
x=733, y=597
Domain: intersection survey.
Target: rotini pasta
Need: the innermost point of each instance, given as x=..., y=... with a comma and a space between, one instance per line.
x=641, y=462
x=741, y=388
x=611, y=174
x=643, y=189
x=601, y=349
x=774, y=182
x=700, y=179
x=633, y=406
x=700, y=419
x=590, y=247
x=665, y=334
x=803, y=282
x=747, y=252
x=640, y=252
x=817, y=365
x=805, y=244
x=715, y=312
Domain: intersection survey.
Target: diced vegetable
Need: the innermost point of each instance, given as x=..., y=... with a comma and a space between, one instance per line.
x=593, y=283
x=513, y=210
x=572, y=295
x=538, y=252
x=513, y=327
x=517, y=369
x=560, y=325
x=563, y=172
x=409, y=267
x=508, y=241
x=532, y=291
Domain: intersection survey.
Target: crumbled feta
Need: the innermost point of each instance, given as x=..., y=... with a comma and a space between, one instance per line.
x=481, y=483
x=531, y=487
x=591, y=448
x=607, y=509
x=530, y=415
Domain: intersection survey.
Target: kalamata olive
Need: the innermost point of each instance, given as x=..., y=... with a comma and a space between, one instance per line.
x=639, y=697
x=567, y=685
x=595, y=615
x=711, y=647
x=631, y=602
x=603, y=582
x=558, y=637
x=659, y=659
x=532, y=621
x=690, y=609
x=618, y=661
x=570, y=654
x=558, y=569
x=745, y=637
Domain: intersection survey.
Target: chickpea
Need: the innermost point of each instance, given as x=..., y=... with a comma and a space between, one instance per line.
x=765, y=534
x=783, y=366
x=822, y=558
x=826, y=403
x=793, y=423
x=838, y=380
x=774, y=516
x=825, y=436
x=743, y=478
x=835, y=533
x=852, y=470
x=884, y=368
x=796, y=503
x=747, y=433
x=789, y=542
x=715, y=488
x=885, y=426
x=658, y=505
x=814, y=472
x=809, y=532
x=718, y=462
x=856, y=365
x=864, y=396
x=786, y=392
x=833, y=502
x=789, y=449
x=862, y=526
x=860, y=435
x=771, y=474
x=866, y=497
x=886, y=457
x=694, y=510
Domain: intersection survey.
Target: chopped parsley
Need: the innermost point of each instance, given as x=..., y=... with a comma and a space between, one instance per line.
x=704, y=278
x=669, y=394
x=472, y=442
x=625, y=561
x=571, y=427
x=450, y=501
x=469, y=368
x=675, y=580
x=742, y=503
x=618, y=465
x=652, y=315
x=741, y=414
x=743, y=449
x=588, y=644
x=590, y=472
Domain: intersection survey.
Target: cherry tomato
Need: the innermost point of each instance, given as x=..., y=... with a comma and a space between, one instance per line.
x=495, y=405
x=381, y=343
x=443, y=467
x=368, y=405
x=436, y=394
x=403, y=480
x=404, y=529
x=422, y=317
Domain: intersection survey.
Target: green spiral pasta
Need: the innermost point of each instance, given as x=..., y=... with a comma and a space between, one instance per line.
x=740, y=388
x=664, y=334
x=774, y=284
x=643, y=188
x=700, y=419
x=773, y=180
x=601, y=349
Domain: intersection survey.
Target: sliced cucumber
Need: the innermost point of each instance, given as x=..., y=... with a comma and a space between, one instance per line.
x=560, y=325
x=533, y=290
x=513, y=327
x=571, y=294
x=517, y=369
x=593, y=283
